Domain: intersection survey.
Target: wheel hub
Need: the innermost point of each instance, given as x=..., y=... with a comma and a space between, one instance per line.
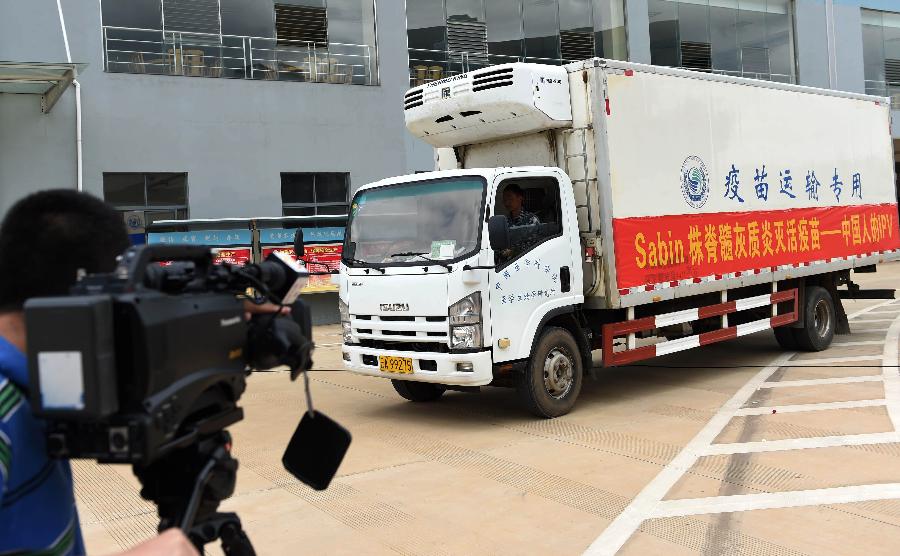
x=558, y=373
x=822, y=318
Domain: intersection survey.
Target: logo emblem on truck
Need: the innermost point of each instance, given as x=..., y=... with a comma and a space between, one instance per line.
x=694, y=182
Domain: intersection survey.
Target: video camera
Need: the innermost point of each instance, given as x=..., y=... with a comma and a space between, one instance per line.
x=146, y=365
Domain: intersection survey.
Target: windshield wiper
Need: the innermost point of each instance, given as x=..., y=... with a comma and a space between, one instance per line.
x=422, y=256
x=365, y=265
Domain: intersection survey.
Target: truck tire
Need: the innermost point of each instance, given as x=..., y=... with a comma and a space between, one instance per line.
x=819, y=320
x=552, y=379
x=418, y=391
x=784, y=335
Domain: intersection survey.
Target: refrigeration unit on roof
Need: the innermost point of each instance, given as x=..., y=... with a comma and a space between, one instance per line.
x=489, y=104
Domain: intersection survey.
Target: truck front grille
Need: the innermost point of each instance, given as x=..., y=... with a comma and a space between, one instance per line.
x=403, y=330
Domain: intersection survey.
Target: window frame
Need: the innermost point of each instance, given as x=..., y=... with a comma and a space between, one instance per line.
x=498, y=200
x=315, y=205
x=146, y=207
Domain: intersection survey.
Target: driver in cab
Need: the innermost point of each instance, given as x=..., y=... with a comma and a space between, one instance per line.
x=523, y=225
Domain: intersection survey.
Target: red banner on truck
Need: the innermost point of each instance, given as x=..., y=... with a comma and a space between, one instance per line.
x=660, y=249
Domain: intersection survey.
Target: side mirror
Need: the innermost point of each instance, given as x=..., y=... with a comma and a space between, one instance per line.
x=498, y=232
x=299, y=250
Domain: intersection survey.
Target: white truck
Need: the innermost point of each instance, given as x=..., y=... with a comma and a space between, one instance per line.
x=638, y=209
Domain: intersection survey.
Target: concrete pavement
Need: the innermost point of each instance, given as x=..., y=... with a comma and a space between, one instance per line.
x=674, y=457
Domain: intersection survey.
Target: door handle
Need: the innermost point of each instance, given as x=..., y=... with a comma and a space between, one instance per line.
x=565, y=279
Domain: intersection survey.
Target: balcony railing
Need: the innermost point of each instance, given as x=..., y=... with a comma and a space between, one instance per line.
x=426, y=66
x=885, y=89
x=152, y=51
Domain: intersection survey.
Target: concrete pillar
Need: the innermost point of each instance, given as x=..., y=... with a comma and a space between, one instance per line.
x=637, y=28
x=811, y=42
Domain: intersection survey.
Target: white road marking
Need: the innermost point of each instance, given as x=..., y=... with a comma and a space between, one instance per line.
x=809, y=407
x=864, y=321
x=829, y=361
x=627, y=522
x=803, y=443
x=772, y=500
x=649, y=502
x=860, y=343
x=891, y=374
x=822, y=381
x=869, y=330
x=871, y=308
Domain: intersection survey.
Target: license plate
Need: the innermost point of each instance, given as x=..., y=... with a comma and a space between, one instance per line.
x=399, y=365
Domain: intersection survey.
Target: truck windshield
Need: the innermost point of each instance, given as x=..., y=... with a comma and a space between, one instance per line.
x=412, y=222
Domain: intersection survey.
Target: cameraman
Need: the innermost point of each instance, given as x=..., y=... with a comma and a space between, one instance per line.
x=44, y=240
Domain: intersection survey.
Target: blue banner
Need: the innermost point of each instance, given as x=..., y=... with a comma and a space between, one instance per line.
x=279, y=236
x=202, y=237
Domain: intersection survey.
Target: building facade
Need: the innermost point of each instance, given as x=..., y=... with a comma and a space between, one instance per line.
x=210, y=108
x=850, y=45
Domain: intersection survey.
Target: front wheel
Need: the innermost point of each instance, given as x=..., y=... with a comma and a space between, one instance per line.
x=418, y=391
x=819, y=318
x=552, y=380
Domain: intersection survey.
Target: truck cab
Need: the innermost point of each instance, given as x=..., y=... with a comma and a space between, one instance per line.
x=448, y=275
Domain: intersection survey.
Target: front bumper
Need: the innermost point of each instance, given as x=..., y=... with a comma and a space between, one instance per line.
x=446, y=366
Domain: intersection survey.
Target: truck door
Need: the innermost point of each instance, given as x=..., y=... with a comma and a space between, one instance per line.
x=538, y=273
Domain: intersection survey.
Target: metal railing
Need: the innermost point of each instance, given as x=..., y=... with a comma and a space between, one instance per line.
x=776, y=77
x=426, y=66
x=153, y=51
x=885, y=89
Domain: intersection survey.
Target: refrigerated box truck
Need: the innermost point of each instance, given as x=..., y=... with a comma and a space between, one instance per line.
x=605, y=205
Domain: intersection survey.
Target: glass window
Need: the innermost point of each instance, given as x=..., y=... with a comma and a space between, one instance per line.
x=160, y=196
x=881, y=53
x=576, y=29
x=299, y=24
x=532, y=209
x=504, y=29
x=309, y=194
x=873, y=48
x=298, y=188
x=124, y=189
x=253, y=18
x=465, y=10
x=139, y=14
x=663, y=32
x=426, y=22
x=780, y=41
x=351, y=36
x=751, y=38
x=725, y=52
x=541, y=30
x=166, y=189
x=331, y=188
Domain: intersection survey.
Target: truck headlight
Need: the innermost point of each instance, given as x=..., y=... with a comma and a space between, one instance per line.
x=465, y=323
x=346, y=330
x=465, y=337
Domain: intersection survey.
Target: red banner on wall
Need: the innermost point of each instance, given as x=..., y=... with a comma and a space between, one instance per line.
x=237, y=256
x=318, y=258
x=654, y=250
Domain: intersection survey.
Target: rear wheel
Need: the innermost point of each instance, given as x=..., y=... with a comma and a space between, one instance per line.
x=418, y=391
x=552, y=381
x=819, y=318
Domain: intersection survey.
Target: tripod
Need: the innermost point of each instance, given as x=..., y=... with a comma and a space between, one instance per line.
x=206, y=470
